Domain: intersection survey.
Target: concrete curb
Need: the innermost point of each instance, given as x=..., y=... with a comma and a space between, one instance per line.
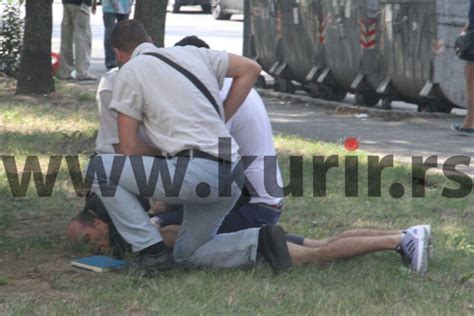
x=342, y=108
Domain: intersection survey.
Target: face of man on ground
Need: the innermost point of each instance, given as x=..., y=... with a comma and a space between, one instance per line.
x=96, y=236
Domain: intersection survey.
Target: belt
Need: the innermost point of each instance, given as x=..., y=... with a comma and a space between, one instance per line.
x=274, y=207
x=196, y=153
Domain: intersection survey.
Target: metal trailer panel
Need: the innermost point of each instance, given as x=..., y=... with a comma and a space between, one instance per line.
x=448, y=73
x=408, y=32
x=263, y=30
x=342, y=45
x=371, y=64
x=315, y=25
x=298, y=51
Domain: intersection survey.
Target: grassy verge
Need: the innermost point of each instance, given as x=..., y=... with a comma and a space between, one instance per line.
x=35, y=277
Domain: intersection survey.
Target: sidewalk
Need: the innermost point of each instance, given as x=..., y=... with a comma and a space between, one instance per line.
x=405, y=138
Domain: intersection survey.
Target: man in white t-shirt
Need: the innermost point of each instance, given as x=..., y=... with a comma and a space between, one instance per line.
x=251, y=128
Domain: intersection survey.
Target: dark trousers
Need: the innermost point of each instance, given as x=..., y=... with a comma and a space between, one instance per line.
x=110, y=19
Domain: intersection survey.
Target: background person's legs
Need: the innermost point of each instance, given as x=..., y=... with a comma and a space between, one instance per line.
x=82, y=43
x=67, y=37
x=342, y=248
x=109, y=23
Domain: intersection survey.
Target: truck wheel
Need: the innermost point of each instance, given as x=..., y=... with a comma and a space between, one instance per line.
x=367, y=99
x=314, y=90
x=434, y=106
x=217, y=12
x=387, y=103
x=338, y=94
x=443, y=108
x=176, y=7
x=283, y=85
x=261, y=82
x=206, y=8
x=325, y=92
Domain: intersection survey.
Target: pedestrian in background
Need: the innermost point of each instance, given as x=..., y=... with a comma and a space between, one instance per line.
x=113, y=11
x=76, y=40
x=467, y=127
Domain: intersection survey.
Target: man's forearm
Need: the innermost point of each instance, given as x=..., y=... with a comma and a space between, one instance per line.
x=244, y=72
x=238, y=92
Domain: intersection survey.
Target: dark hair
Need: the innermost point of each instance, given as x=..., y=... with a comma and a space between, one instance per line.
x=86, y=218
x=193, y=41
x=95, y=209
x=128, y=35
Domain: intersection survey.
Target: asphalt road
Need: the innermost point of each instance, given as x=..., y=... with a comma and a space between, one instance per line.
x=404, y=139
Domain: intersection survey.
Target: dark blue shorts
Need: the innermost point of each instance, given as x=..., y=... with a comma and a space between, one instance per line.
x=240, y=218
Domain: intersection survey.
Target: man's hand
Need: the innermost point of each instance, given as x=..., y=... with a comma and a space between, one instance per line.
x=465, y=29
x=130, y=144
x=245, y=72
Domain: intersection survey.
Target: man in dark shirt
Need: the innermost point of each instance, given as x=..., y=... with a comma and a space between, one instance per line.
x=467, y=127
x=76, y=40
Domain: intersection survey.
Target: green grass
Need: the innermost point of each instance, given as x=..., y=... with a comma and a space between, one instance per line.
x=35, y=277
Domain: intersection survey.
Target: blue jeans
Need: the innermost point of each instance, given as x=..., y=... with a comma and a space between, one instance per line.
x=243, y=217
x=240, y=218
x=197, y=243
x=110, y=19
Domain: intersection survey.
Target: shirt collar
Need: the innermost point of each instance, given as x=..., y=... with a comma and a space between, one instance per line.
x=142, y=48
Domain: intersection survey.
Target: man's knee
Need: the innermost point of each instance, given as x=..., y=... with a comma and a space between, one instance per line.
x=182, y=256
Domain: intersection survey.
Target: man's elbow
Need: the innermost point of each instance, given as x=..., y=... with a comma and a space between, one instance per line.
x=124, y=149
x=255, y=69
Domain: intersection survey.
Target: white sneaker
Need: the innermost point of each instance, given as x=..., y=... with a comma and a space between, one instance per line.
x=414, y=248
x=429, y=237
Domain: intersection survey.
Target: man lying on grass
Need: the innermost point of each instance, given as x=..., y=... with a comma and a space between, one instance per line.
x=95, y=228
x=250, y=127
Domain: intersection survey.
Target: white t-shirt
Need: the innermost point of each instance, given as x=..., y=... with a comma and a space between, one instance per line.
x=176, y=116
x=251, y=128
x=108, y=129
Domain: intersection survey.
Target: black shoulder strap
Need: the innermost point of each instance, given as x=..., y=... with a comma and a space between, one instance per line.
x=191, y=77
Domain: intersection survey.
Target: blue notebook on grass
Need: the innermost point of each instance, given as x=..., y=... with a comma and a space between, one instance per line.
x=98, y=263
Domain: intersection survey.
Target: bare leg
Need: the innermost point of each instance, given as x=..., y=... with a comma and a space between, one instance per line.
x=169, y=234
x=342, y=248
x=469, y=73
x=312, y=243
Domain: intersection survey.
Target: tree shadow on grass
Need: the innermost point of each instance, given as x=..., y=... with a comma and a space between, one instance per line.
x=47, y=143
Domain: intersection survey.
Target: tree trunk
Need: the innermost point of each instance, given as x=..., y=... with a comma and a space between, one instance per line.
x=152, y=13
x=35, y=76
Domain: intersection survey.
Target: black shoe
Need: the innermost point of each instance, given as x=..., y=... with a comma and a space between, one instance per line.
x=152, y=263
x=273, y=248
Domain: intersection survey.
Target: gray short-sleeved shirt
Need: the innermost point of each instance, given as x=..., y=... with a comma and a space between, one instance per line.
x=175, y=114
